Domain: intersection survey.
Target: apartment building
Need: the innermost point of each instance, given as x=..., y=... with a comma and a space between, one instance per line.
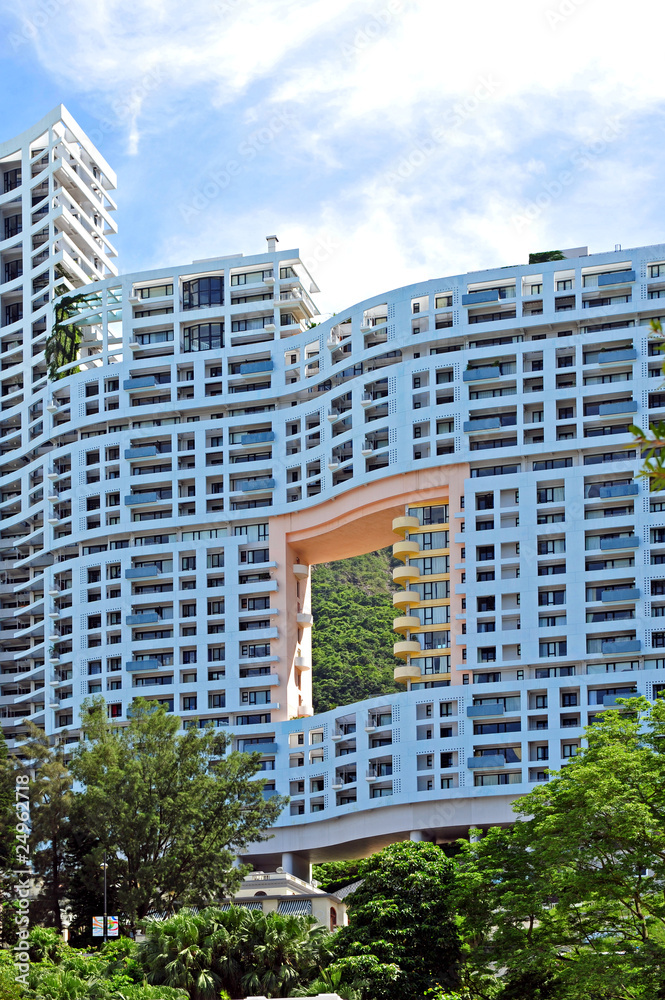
x=204, y=397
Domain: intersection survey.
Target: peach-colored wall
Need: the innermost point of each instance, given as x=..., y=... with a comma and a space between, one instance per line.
x=355, y=522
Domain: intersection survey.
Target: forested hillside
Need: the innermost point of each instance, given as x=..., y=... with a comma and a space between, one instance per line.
x=352, y=635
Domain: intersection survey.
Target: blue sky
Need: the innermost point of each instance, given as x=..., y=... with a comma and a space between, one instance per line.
x=391, y=141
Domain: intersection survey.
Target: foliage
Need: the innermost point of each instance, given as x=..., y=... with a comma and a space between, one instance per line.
x=50, y=803
x=545, y=255
x=334, y=875
x=652, y=442
x=401, y=916
x=569, y=901
x=8, y=822
x=352, y=635
x=172, y=811
x=62, y=344
x=10, y=989
x=239, y=950
x=355, y=978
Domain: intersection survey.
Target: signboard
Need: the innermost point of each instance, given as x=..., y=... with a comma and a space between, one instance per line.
x=98, y=926
x=112, y=924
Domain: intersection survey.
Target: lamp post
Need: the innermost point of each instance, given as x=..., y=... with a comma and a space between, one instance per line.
x=105, y=914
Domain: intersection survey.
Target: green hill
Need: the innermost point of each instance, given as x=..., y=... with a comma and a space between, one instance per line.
x=352, y=634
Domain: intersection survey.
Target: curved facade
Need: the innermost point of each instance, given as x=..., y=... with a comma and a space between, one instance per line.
x=162, y=507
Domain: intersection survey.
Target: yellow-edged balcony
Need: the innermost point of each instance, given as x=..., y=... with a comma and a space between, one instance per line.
x=403, y=597
x=403, y=524
x=406, y=647
x=406, y=622
x=407, y=672
x=402, y=550
x=405, y=573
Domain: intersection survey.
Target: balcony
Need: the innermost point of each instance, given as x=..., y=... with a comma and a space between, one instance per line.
x=625, y=490
x=608, y=544
x=612, y=646
x=623, y=594
x=146, y=451
x=257, y=437
x=402, y=550
x=142, y=382
x=146, y=618
x=300, y=571
x=405, y=623
x=403, y=597
x=404, y=524
x=256, y=367
x=407, y=647
x=151, y=664
x=482, y=711
x=251, y=486
x=482, y=424
x=479, y=298
x=608, y=409
x=480, y=374
x=488, y=761
x=613, y=357
x=402, y=573
x=137, y=498
x=616, y=278
x=407, y=672
x=141, y=572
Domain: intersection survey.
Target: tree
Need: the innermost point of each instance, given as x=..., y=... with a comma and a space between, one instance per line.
x=569, y=900
x=353, y=630
x=9, y=817
x=334, y=875
x=50, y=803
x=172, y=811
x=237, y=951
x=401, y=915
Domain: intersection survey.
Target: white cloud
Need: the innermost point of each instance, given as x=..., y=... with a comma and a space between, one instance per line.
x=517, y=94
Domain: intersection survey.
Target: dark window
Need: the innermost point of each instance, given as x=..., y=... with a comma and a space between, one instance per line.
x=203, y=337
x=203, y=292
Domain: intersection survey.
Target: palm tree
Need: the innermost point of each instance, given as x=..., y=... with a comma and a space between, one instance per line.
x=286, y=950
x=177, y=953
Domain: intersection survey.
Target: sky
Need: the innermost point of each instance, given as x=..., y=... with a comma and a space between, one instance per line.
x=391, y=141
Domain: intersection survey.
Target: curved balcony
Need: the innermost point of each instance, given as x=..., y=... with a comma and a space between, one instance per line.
x=402, y=573
x=403, y=597
x=407, y=647
x=406, y=622
x=300, y=571
x=403, y=524
x=407, y=672
x=401, y=550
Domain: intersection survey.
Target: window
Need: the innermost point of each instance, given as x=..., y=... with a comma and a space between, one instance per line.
x=189, y=703
x=203, y=292
x=203, y=337
x=558, y=648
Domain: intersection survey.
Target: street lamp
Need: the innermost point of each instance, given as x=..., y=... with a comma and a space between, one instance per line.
x=105, y=866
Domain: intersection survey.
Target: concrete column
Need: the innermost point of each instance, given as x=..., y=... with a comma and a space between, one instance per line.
x=416, y=835
x=297, y=865
x=474, y=836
